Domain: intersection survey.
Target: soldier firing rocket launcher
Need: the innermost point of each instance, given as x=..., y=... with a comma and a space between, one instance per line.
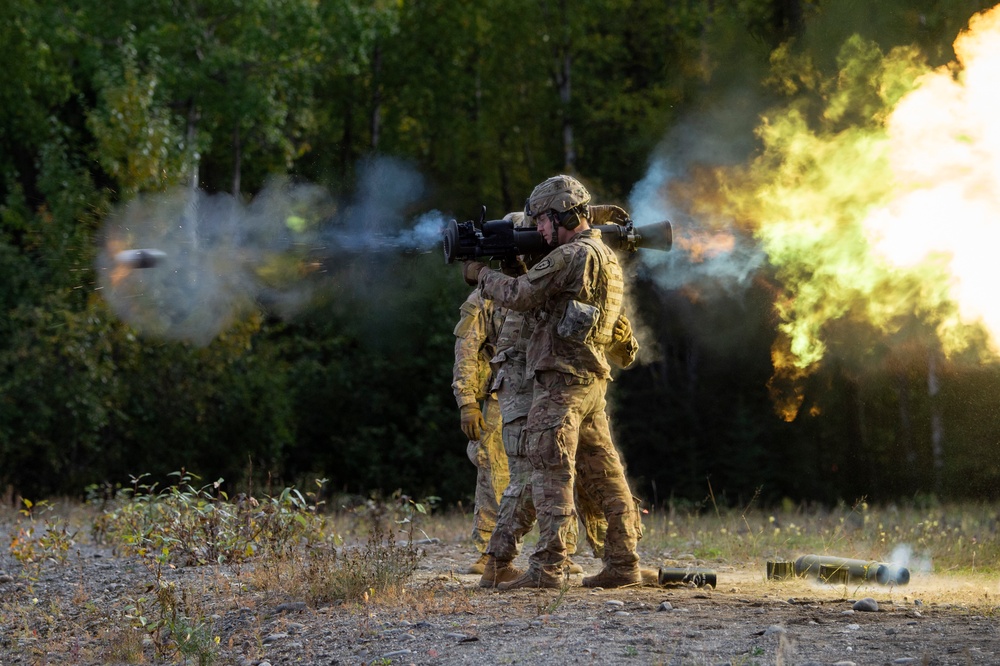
x=500, y=239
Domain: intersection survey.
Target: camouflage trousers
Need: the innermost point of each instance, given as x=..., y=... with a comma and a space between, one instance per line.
x=568, y=435
x=517, y=508
x=487, y=454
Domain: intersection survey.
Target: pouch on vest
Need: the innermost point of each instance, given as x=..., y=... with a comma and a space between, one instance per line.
x=578, y=321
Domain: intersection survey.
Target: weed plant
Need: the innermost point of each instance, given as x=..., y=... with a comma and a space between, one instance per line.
x=265, y=551
x=959, y=538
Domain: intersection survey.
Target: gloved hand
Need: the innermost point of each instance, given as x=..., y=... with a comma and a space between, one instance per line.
x=471, y=270
x=623, y=329
x=607, y=214
x=513, y=267
x=472, y=421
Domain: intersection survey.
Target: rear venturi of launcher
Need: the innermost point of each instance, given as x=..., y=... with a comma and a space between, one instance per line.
x=499, y=239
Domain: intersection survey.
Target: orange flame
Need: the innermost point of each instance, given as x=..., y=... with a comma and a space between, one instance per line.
x=881, y=209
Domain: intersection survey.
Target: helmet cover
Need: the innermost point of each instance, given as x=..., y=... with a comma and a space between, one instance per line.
x=559, y=194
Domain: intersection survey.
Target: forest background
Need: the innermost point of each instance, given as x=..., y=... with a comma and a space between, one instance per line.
x=330, y=356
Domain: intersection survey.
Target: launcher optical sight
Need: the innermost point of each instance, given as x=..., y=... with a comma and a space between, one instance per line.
x=500, y=239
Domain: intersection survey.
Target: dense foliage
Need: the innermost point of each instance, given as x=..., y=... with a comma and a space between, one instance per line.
x=102, y=101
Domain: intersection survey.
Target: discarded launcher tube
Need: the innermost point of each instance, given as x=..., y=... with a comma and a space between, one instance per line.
x=842, y=570
x=685, y=576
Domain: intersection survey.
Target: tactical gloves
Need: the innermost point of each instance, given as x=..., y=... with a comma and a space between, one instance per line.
x=513, y=267
x=472, y=421
x=471, y=270
x=623, y=329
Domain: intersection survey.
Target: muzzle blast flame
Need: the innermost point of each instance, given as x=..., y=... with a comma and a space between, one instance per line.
x=874, y=200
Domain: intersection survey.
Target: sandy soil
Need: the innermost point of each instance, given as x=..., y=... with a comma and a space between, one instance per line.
x=80, y=612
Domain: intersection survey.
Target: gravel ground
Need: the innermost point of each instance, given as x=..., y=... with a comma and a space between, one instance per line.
x=76, y=613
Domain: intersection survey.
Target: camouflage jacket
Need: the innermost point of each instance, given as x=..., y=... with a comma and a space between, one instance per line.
x=511, y=383
x=574, y=295
x=475, y=344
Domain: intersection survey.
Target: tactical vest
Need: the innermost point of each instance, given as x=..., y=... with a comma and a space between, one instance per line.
x=512, y=340
x=610, y=292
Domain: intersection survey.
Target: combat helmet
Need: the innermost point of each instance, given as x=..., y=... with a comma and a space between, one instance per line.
x=565, y=196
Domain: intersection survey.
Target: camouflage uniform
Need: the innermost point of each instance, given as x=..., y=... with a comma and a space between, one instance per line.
x=575, y=296
x=475, y=344
x=514, y=388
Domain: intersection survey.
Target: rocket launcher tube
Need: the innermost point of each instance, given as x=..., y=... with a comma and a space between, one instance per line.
x=686, y=576
x=837, y=569
x=499, y=239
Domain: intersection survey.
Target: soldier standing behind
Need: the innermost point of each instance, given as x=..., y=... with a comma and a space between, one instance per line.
x=575, y=294
x=475, y=344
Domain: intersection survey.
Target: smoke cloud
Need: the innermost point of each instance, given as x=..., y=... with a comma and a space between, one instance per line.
x=871, y=197
x=223, y=257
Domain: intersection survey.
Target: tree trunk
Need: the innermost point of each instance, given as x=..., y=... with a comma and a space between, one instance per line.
x=376, y=118
x=237, y=160
x=906, y=459
x=937, y=425
x=562, y=54
x=347, y=137
x=193, y=116
x=565, y=96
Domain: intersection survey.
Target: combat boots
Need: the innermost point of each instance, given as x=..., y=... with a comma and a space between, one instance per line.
x=532, y=578
x=479, y=566
x=496, y=572
x=614, y=577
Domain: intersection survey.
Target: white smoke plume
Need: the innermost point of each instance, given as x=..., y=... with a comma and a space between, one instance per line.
x=218, y=257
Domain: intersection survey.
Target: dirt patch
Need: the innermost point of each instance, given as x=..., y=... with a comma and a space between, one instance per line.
x=82, y=612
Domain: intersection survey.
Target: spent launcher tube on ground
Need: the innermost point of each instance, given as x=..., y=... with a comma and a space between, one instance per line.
x=499, y=239
x=843, y=570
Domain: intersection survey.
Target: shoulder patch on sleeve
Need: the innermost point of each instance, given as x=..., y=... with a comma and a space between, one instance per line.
x=469, y=311
x=551, y=263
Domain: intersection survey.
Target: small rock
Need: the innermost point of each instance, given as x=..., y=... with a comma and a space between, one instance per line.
x=852, y=627
x=845, y=663
x=615, y=603
x=6, y=577
x=397, y=653
x=271, y=638
x=867, y=604
x=516, y=624
x=665, y=606
x=905, y=660
x=774, y=629
x=293, y=606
